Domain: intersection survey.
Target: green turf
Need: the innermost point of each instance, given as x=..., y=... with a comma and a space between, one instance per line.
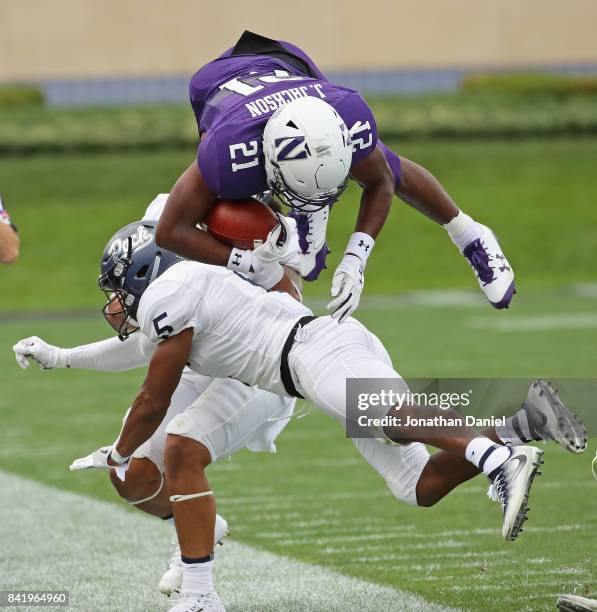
x=538, y=196
x=317, y=500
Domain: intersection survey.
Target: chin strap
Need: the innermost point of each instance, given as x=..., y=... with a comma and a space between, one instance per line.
x=180, y=498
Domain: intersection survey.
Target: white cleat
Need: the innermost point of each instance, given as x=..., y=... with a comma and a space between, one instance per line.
x=511, y=486
x=549, y=419
x=171, y=579
x=209, y=602
x=576, y=603
x=311, y=229
x=491, y=268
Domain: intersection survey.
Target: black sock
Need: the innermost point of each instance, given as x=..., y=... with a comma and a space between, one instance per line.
x=197, y=559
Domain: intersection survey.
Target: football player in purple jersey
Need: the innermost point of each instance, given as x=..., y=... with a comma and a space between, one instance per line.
x=269, y=120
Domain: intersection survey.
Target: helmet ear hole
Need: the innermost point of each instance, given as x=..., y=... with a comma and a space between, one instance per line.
x=142, y=272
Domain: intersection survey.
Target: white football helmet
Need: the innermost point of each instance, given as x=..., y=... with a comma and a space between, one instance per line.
x=308, y=152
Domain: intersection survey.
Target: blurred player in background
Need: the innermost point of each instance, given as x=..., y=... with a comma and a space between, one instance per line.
x=9, y=238
x=269, y=119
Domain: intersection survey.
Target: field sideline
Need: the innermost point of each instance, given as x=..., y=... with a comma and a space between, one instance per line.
x=251, y=580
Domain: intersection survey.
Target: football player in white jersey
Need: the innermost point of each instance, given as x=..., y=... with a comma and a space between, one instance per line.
x=231, y=415
x=217, y=323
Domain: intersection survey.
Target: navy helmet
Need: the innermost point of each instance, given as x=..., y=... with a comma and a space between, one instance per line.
x=131, y=261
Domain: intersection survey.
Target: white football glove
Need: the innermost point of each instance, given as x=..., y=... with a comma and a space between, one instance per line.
x=262, y=265
x=347, y=286
x=275, y=245
x=349, y=277
x=99, y=460
x=35, y=349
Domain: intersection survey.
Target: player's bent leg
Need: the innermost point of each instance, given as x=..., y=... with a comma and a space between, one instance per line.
x=193, y=503
x=400, y=466
x=477, y=243
x=442, y=474
x=194, y=510
x=225, y=418
x=144, y=488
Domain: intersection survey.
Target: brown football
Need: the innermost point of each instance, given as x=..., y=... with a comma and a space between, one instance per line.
x=244, y=224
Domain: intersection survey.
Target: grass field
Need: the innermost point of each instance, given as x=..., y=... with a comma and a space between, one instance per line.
x=317, y=501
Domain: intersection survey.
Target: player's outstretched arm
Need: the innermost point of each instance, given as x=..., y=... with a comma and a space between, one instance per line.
x=419, y=188
x=375, y=177
x=109, y=355
x=189, y=202
x=152, y=401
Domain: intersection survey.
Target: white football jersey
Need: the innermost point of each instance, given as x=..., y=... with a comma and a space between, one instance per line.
x=156, y=207
x=239, y=328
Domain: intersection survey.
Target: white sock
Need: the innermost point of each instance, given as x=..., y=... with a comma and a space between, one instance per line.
x=197, y=578
x=486, y=455
x=516, y=430
x=463, y=229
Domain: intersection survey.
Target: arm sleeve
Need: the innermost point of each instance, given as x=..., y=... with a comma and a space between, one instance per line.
x=112, y=355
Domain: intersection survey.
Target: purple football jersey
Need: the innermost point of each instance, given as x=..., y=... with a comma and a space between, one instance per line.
x=234, y=96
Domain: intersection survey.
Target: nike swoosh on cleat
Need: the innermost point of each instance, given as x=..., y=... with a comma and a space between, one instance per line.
x=521, y=463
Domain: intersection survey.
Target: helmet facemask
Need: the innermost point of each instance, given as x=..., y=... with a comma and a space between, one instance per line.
x=294, y=200
x=120, y=309
x=130, y=263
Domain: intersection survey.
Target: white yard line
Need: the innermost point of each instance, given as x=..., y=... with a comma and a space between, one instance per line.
x=110, y=560
x=435, y=299
x=579, y=320
x=584, y=290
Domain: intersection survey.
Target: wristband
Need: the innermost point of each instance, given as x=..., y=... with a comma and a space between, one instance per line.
x=64, y=360
x=240, y=260
x=361, y=245
x=117, y=457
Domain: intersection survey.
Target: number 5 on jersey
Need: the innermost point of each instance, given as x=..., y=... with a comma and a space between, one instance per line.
x=163, y=331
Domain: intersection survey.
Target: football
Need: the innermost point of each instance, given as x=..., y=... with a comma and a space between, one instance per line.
x=243, y=224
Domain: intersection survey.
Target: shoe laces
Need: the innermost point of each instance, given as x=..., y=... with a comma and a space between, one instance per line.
x=479, y=258
x=498, y=489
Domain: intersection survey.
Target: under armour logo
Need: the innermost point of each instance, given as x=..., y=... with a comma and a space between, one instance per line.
x=504, y=266
x=363, y=244
x=236, y=260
